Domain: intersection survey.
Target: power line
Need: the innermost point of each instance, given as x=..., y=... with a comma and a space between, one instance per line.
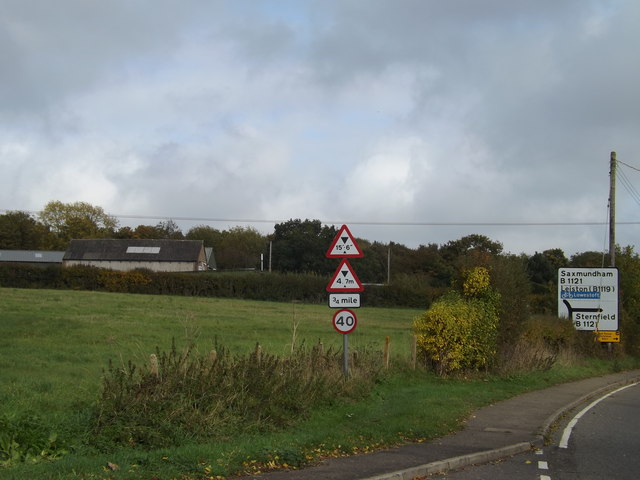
x=626, y=183
x=629, y=166
x=370, y=223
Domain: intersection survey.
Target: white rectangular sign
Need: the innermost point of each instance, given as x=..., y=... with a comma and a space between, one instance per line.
x=589, y=297
x=344, y=300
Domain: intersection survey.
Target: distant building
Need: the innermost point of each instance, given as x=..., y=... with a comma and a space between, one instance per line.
x=31, y=257
x=125, y=255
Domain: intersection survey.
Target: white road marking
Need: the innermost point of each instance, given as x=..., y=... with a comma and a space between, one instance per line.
x=545, y=477
x=543, y=465
x=566, y=434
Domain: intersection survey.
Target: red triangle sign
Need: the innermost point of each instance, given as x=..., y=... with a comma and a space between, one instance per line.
x=344, y=245
x=345, y=279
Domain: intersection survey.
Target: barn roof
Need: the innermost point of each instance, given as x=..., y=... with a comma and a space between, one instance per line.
x=135, y=250
x=31, y=256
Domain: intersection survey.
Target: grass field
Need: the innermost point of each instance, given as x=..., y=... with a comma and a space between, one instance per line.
x=55, y=343
x=54, y=346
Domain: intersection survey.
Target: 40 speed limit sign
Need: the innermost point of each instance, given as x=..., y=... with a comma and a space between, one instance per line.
x=344, y=321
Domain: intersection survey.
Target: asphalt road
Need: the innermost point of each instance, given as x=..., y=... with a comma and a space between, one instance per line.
x=604, y=442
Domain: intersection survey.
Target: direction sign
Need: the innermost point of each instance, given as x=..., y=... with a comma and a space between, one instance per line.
x=345, y=321
x=344, y=245
x=589, y=297
x=344, y=279
x=609, y=337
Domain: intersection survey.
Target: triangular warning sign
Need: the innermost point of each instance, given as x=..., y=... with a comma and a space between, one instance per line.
x=344, y=245
x=345, y=279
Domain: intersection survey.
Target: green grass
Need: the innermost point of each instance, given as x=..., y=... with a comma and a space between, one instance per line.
x=55, y=344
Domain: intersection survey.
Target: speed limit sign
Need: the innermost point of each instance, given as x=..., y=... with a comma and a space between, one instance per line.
x=344, y=321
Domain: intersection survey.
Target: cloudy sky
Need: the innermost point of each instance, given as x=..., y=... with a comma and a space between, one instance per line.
x=413, y=121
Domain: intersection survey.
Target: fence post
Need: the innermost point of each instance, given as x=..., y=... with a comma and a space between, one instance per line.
x=153, y=365
x=414, y=351
x=258, y=353
x=386, y=352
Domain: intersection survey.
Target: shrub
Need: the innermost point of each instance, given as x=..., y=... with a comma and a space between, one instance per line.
x=460, y=331
x=543, y=341
x=182, y=396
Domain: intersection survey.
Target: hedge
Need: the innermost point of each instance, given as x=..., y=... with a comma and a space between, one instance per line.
x=306, y=288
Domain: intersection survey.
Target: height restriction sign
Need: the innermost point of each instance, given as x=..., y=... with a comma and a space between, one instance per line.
x=344, y=245
x=345, y=279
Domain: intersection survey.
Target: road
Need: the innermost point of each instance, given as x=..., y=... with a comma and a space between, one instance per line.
x=603, y=443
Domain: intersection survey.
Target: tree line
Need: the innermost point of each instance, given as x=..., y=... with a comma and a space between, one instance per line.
x=296, y=246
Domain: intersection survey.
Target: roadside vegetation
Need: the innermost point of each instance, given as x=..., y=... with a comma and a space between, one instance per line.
x=109, y=386
x=145, y=375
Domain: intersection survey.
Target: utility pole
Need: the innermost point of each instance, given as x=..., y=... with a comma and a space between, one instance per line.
x=612, y=210
x=389, y=265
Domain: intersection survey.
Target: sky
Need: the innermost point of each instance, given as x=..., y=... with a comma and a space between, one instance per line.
x=411, y=121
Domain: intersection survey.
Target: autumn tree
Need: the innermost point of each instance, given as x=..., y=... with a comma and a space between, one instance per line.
x=77, y=220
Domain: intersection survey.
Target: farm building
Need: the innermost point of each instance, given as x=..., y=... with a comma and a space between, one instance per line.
x=31, y=257
x=124, y=255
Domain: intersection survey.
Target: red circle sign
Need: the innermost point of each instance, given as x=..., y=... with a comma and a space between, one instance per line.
x=344, y=321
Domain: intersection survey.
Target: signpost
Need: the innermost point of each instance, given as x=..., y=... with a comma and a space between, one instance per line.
x=589, y=297
x=344, y=288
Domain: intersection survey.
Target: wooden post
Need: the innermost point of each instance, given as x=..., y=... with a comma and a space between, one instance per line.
x=258, y=353
x=153, y=365
x=414, y=351
x=612, y=211
x=386, y=352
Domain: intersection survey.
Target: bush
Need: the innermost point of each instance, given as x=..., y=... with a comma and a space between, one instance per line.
x=543, y=341
x=180, y=397
x=461, y=331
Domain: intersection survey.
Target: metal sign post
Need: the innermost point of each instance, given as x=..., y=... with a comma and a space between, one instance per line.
x=345, y=355
x=344, y=288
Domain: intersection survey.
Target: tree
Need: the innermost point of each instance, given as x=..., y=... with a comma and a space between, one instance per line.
x=239, y=248
x=147, y=232
x=628, y=264
x=300, y=246
x=77, y=220
x=589, y=260
x=20, y=231
x=540, y=269
x=209, y=235
x=474, y=242
x=169, y=230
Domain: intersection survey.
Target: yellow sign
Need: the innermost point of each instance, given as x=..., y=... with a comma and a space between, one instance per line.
x=608, y=336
